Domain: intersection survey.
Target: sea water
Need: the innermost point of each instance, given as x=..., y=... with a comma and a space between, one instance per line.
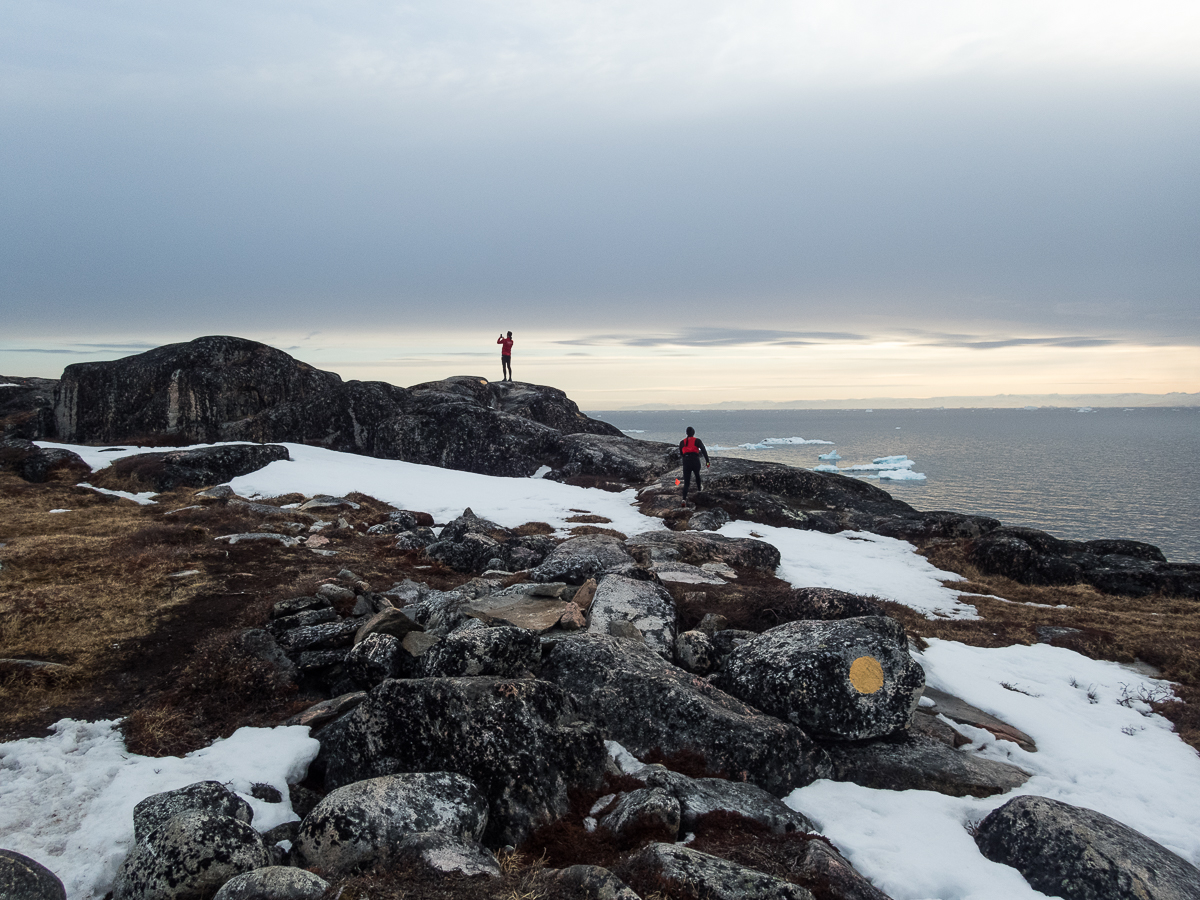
x=1103, y=473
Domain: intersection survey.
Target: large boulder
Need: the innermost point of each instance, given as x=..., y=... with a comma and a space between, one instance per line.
x=363, y=823
x=914, y=761
x=696, y=874
x=195, y=468
x=643, y=812
x=644, y=605
x=1080, y=854
x=22, y=878
x=504, y=651
x=276, y=883
x=702, y=796
x=697, y=548
x=578, y=559
x=521, y=741
x=848, y=679
x=203, y=796
x=36, y=464
x=643, y=702
x=446, y=854
x=189, y=857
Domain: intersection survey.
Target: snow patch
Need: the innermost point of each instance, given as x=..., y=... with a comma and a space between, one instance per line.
x=67, y=800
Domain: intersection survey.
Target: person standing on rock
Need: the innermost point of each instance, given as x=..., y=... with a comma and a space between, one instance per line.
x=690, y=448
x=506, y=355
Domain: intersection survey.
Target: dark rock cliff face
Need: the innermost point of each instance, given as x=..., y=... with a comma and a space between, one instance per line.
x=26, y=407
x=231, y=389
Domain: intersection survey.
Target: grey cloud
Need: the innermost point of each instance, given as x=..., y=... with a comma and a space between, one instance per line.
x=1022, y=342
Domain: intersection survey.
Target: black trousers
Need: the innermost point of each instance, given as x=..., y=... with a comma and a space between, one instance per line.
x=506, y=366
x=691, y=466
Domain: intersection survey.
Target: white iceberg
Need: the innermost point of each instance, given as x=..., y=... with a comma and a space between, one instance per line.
x=883, y=464
x=763, y=446
x=793, y=440
x=831, y=455
x=900, y=475
x=826, y=468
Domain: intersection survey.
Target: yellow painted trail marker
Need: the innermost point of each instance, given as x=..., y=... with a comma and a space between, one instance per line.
x=866, y=675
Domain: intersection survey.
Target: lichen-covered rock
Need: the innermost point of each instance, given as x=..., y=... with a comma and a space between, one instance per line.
x=698, y=548
x=848, y=679
x=578, y=559
x=203, y=796
x=1080, y=854
x=700, y=796
x=521, y=741
x=373, y=660
x=644, y=812
x=326, y=636
x=362, y=823
x=296, y=605
x=907, y=761
x=710, y=877
x=694, y=652
x=643, y=604
x=303, y=619
x=446, y=853
x=630, y=461
x=827, y=603
x=275, y=883
x=504, y=651
x=645, y=703
x=396, y=622
x=707, y=519
x=589, y=883
x=22, y=878
x=189, y=857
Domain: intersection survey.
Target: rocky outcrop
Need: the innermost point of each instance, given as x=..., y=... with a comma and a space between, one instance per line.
x=644, y=703
x=196, y=468
x=1079, y=854
x=520, y=741
x=363, y=823
x=848, y=679
x=22, y=878
x=502, y=651
x=588, y=883
x=230, y=389
x=26, y=407
x=1116, y=567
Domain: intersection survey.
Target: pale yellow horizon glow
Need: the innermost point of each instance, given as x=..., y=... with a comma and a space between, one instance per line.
x=614, y=376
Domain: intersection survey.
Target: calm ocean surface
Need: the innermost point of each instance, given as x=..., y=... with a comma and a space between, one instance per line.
x=1110, y=473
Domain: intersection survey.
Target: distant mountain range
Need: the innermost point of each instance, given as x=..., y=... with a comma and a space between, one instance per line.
x=994, y=401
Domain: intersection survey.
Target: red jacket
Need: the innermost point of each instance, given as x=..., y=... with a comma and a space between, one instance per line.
x=506, y=346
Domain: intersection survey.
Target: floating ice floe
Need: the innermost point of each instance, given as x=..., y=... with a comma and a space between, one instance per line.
x=831, y=455
x=827, y=467
x=900, y=475
x=633, y=431
x=769, y=443
x=882, y=464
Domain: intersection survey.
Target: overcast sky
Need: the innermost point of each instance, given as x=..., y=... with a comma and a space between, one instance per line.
x=663, y=201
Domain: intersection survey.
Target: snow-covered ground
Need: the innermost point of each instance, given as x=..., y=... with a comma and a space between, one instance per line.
x=66, y=800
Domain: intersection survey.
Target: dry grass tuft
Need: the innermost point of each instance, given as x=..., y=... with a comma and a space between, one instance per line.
x=530, y=529
x=581, y=530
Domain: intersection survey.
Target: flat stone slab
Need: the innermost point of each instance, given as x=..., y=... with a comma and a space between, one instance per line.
x=533, y=613
x=958, y=710
x=682, y=573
